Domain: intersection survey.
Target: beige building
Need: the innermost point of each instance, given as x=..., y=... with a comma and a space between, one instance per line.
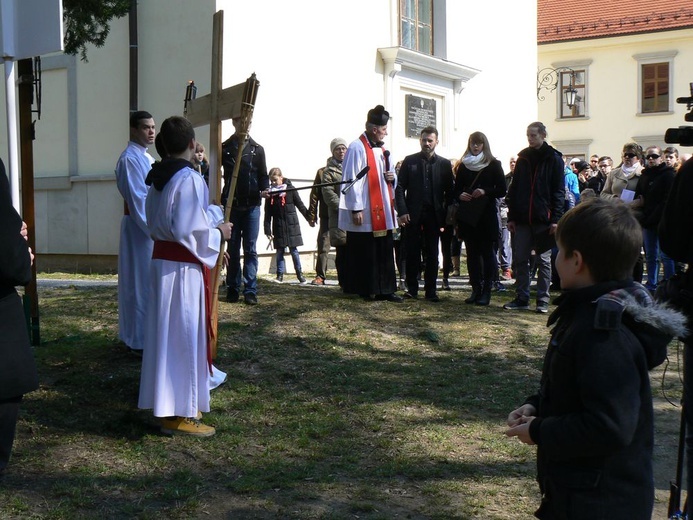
x=627, y=60
x=321, y=64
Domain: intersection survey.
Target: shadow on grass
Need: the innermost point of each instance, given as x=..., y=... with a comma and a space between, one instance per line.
x=331, y=404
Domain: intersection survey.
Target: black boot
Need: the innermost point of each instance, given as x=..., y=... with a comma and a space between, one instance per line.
x=476, y=293
x=485, y=297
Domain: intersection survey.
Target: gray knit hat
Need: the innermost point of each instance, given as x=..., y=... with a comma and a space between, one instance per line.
x=336, y=142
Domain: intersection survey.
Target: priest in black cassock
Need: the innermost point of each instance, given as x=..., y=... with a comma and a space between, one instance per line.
x=367, y=213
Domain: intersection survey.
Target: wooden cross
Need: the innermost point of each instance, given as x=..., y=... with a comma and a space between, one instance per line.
x=217, y=106
x=221, y=104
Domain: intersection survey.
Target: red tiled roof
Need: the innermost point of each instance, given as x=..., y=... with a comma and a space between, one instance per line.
x=565, y=20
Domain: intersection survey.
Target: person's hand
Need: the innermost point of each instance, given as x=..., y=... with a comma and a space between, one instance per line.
x=357, y=218
x=226, y=259
x=225, y=229
x=521, y=431
x=478, y=193
x=403, y=220
x=24, y=231
x=31, y=254
x=552, y=229
x=390, y=176
x=465, y=197
x=515, y=417
x=265, y=194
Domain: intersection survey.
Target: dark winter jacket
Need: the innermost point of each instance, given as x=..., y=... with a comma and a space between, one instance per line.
x=654, y=185
x=537, y=193
x=281, y=219
x=252, y=175
x=409, y=193
x=492, y=181
x=17, y=368
x=594, y=423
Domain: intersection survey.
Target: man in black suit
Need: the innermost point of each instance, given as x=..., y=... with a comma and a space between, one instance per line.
x=424, y=191
x=17, y=369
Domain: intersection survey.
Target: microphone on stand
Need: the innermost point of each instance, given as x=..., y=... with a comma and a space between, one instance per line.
x=358, y=177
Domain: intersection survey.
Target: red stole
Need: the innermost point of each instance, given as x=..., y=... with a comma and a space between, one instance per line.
x=175, y=252
x=377, y=207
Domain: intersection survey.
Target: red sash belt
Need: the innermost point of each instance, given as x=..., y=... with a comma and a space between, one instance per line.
x=376, y=208
x=175, y=252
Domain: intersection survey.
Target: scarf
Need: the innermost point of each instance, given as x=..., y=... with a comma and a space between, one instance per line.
x=628, y=172
x=475, y=163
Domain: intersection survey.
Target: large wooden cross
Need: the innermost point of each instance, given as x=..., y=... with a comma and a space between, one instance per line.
x=220, y=105
x=217, y=106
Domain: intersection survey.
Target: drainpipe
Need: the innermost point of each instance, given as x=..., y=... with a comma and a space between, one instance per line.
x=132, y=20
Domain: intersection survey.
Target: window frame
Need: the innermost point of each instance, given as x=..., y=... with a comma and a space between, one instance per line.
x=655, y=59
x=417, y=24
x=579, y=110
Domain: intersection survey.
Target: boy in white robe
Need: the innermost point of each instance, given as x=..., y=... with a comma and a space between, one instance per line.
x=187, y=235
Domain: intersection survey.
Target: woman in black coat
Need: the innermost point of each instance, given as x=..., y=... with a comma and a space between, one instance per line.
x=281, y=222
x=478, y=183
x=17, y=369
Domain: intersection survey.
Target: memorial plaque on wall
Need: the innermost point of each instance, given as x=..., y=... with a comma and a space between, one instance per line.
x=421, y=112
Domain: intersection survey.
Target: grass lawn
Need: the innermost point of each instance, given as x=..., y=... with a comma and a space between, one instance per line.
x=334, y=409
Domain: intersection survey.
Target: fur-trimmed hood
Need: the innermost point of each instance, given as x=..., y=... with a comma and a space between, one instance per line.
x=655, y=324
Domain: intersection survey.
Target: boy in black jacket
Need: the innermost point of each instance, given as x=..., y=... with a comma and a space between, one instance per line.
x=592, y=418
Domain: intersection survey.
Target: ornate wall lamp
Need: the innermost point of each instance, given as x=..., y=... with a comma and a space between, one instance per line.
x=549, y=79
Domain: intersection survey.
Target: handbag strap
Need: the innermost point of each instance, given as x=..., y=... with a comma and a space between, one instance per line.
x=471, y=186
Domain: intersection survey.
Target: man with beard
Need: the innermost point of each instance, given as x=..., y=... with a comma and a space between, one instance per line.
x=424, y=191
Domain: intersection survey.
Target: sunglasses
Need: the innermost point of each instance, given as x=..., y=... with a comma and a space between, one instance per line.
x=653, y=156
x=629, y=155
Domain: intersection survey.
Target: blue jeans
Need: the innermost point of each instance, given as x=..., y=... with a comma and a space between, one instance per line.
x=653, y=256
x=522, y=242
x=246, y=226
x=295, y=256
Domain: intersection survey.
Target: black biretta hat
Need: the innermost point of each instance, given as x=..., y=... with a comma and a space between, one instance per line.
x=378, y=116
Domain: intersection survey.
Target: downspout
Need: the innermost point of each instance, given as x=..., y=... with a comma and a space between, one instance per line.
x=132, y=20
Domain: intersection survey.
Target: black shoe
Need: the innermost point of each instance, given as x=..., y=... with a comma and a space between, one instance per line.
x=392, y=297
x=446, y=285
x=250, y=299
x=410, y=296
x=301, y=278
x=484, y=299
x=232, y=296
x=473, y=297
x=280, y=277
x=433, y=298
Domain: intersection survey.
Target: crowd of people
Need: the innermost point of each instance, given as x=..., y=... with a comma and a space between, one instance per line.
x=592, y=416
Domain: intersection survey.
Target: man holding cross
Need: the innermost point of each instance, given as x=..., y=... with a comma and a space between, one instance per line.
x=251, y=187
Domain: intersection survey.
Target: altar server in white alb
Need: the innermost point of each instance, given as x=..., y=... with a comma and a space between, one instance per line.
x=135, y=250
x=187, y=233
x=367, y=213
